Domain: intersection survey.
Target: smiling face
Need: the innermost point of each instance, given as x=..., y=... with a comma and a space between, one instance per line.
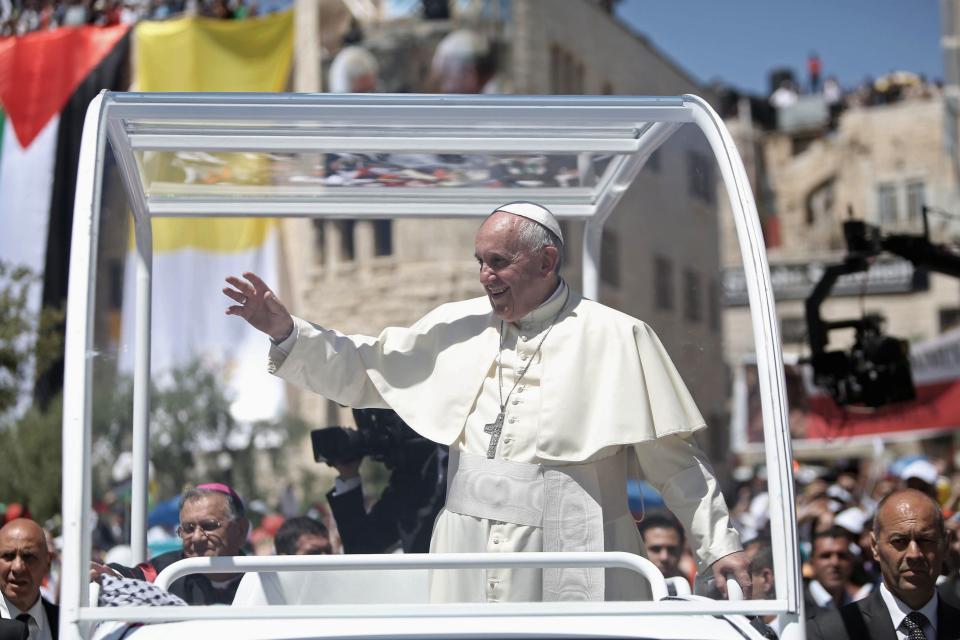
x=24, y=561
x=515, y=278
x=207, y=530
x=909, y=544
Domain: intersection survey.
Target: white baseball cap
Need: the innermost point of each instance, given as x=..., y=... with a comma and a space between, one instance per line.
x=921, y=469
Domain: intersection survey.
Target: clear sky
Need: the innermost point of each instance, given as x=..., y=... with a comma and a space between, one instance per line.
x=740, y=41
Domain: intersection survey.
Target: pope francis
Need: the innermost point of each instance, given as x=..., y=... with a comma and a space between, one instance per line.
x=547, y=400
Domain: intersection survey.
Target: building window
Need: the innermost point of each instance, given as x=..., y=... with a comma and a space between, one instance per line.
x=714, y=305
x=345, y=228
x=915, y=199
x=700, y=177
x=887, y=203
x=793, y=329
x=382, y=237
x=692, y=308
x=949, y=318
x=610, y=258
x=319, y=238
x=566, y=74
x=663, y=282
x=819, y=202
x=555, y=80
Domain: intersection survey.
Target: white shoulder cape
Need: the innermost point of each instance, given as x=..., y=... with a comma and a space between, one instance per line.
x=607, y=380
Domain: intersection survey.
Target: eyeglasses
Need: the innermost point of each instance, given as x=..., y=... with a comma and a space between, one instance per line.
x=207, y=526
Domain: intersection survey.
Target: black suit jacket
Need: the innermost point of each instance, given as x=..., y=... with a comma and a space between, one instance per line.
x=10, y=629
x=868, y=619
x=53, y=617
x=405, y=512
x=13, y=630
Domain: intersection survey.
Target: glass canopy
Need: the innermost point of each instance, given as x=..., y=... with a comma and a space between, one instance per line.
x=382, y=156
x=386, y=156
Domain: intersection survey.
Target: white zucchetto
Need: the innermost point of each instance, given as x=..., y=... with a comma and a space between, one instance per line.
x=535, y=212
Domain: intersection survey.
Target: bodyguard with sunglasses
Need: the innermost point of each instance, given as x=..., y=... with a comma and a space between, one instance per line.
x=212, y=524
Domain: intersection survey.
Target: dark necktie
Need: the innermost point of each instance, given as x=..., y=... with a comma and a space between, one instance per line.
x=913, y=625
x=26, y=619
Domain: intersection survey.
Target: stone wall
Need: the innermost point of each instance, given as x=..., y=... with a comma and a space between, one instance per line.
x=432, y=261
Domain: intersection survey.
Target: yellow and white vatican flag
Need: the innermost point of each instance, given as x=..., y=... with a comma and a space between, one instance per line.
x=191, y=256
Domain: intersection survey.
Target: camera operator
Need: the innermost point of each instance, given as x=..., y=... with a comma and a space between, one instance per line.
x=405, y=513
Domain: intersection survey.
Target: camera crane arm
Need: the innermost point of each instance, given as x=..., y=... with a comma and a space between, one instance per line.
x=854, y=378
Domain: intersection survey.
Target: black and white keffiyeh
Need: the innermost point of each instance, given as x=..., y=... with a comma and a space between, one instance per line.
x=127, y=592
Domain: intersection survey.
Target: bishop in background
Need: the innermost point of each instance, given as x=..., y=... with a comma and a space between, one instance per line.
x=545, y=399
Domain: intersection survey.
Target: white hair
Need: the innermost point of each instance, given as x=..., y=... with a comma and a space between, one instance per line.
x=459, y=48
x=349, y=65
x=535, y=237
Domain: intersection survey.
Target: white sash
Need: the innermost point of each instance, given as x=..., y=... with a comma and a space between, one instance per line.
x=566, y=501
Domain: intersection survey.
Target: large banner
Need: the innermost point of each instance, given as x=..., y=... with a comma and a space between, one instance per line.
x=816, y=421
x=47, y=79
x=192, y=256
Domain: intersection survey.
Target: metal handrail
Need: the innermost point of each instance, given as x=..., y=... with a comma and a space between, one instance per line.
x=528, y=560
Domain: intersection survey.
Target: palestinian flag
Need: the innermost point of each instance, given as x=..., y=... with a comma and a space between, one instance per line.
x=192, y=256
x=47, y=80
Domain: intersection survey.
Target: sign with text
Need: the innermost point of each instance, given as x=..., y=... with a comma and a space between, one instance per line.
x=814, y=416
x=796, y=281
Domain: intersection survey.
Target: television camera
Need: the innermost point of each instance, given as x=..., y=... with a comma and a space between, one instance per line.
x=875, y=371
x=380, y=434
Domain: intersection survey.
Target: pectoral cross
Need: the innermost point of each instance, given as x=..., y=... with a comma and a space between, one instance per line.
x=495, y=428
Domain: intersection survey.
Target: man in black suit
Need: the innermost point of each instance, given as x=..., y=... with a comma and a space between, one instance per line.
x=24, y=561
x=833, y=565
x=909, y=542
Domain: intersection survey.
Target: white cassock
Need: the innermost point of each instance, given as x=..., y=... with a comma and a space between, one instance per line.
x=600, y=397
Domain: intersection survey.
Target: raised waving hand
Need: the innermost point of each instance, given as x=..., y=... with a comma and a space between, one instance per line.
x=258, y=305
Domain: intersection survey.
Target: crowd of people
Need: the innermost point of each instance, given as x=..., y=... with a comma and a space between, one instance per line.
x=845, y=516
x=19, y=17
x=549, y=471
x=787, y=91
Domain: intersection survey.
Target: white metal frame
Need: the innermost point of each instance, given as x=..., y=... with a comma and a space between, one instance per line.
x=417, y=561
x=633, y=127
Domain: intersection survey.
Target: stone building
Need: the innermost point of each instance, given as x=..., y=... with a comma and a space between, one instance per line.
x=661, y=253
x=881, y=165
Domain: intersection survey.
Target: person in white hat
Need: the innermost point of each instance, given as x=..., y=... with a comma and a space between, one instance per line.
x=922, y=476
x=543, y=397
x=354, y=70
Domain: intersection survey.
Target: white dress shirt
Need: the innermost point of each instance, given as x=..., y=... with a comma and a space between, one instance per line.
x=39, y=625
x=898, y=611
